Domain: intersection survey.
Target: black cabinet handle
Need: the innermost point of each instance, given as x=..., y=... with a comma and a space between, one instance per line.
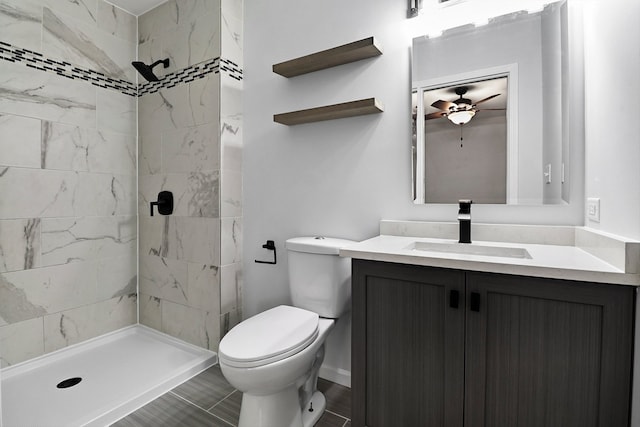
x=474, y=301
x=454, y=298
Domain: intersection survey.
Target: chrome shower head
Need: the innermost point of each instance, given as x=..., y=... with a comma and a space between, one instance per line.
x=147, y=70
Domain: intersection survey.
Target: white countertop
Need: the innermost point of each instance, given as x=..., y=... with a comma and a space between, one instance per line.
x=547, y=260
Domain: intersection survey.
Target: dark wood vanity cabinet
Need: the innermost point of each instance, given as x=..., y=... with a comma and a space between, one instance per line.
x=437, y=347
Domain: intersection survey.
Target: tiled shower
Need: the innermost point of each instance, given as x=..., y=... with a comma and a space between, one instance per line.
x=190, y=144
x=79, y=254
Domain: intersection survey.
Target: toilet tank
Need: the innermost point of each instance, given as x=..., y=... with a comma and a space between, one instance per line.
x=319, y=278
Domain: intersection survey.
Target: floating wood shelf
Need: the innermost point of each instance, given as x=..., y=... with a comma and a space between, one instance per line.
x=351, y=52
x=330, y=112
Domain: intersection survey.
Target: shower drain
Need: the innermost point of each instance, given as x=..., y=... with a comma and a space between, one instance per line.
x=69, y=382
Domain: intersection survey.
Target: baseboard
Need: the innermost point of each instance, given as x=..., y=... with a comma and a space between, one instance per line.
x=336, y=375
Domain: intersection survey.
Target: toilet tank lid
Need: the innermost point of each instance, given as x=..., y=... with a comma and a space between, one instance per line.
x=317, y=245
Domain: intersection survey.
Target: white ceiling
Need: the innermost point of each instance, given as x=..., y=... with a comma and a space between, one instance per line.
x=136, y=7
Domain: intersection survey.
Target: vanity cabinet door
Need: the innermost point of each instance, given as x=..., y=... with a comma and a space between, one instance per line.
x=408, y=345
x=543, y=352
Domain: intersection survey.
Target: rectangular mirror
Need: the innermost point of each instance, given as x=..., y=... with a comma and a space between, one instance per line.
x=487, y=111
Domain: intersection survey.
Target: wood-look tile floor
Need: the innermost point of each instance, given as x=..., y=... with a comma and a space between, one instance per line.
x=207, y=400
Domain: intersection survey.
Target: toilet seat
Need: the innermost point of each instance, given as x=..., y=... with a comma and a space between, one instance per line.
x=268, y=337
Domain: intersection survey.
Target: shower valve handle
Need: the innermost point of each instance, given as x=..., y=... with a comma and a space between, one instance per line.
x=164, y=203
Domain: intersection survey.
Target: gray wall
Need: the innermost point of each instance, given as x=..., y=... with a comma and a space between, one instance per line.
x=67, y=174
x=339, y=178
x=554, y=43
x=477, y=170
x=612, y=68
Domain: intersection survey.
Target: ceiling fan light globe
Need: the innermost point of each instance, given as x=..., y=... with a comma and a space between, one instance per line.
x=461, y=117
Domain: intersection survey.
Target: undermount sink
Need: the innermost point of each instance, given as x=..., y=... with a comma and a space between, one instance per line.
x=471, y=249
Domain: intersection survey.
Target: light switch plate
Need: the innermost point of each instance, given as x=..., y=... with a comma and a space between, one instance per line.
x=593, y=209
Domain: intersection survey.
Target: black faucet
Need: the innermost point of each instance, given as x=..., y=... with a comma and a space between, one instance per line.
x=464, y=218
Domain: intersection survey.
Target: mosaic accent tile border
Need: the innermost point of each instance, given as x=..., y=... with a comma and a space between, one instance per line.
x=231, y=68
x=65, y=69
x=192, y=73
x=185, y=75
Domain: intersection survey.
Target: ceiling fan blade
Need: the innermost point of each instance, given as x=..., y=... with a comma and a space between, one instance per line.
x=487, y=98
x=436, y=115
x=443, y=105
x=491, y=109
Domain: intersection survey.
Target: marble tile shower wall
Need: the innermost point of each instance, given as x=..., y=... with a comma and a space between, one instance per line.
x=190, y=144
x=231, y=164
x=67, y=174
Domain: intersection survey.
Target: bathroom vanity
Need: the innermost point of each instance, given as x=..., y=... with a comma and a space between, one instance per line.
x=519, y=334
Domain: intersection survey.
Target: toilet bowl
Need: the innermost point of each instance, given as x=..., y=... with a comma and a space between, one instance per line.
x=271, y=376
x=274, y=357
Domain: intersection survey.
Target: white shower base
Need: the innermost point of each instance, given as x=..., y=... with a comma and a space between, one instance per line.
x=121, y=371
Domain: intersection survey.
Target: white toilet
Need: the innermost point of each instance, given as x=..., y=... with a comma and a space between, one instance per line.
x=273, y=358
